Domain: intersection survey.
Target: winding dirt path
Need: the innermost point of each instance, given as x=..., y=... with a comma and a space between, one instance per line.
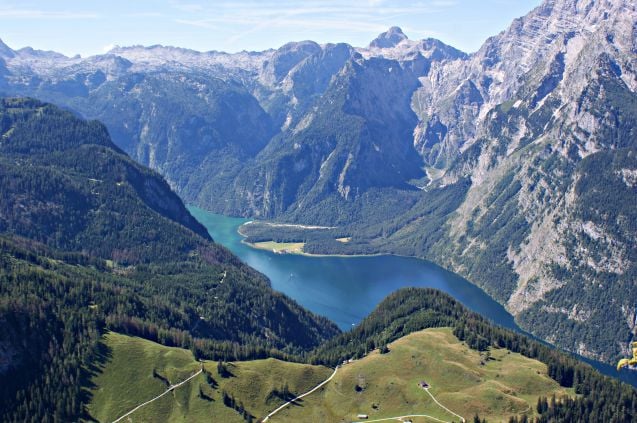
x=401, y=418
x=300, y=396
x=170, y=389
x=445, y=408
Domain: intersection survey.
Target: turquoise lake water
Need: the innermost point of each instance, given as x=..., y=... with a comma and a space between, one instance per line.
x=346, y=289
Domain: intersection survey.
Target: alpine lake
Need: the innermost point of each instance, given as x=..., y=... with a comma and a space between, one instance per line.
x=346, y=289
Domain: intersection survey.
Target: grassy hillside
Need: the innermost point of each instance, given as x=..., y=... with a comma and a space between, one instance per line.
x=409, y=310
x=381, y=385
x=462, y=379
x=125, y=379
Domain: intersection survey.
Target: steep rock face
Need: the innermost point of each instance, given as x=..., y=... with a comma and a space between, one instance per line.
x=309, y=80
x=5, y=50
x=187, y=127
x=289, y=98
x=362, y=122
x=201, y=118
x=538, y=141
x=541, y=45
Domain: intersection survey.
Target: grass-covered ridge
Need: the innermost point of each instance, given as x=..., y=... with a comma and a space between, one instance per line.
x=495, y=384
x=412, y=309
x=136, y=370
x=473, y=367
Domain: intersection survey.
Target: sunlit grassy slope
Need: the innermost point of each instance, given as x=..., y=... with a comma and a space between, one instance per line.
x=463, y=380
x=126, y=380
x=380, y=385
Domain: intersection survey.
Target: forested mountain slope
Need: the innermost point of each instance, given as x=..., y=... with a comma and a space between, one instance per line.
x=91, y=241
x=67, y=185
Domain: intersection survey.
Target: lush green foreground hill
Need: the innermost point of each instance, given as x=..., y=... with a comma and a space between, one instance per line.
x=90, y=240
x=381, y=385
x=493, y=372
x=133, y=370
x=414, y=335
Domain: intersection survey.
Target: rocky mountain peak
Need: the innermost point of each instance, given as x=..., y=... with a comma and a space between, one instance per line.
x=553, y=28
x=391, y=38
x=285, y=58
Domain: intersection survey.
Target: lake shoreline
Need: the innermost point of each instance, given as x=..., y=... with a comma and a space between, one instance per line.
x=298, y=253
x=327, y=255
x=346, y=288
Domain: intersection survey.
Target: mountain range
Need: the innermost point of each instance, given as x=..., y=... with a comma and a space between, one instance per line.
x=514, y=166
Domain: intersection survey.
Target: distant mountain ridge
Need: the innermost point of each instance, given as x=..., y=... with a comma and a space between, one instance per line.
x=513, y=166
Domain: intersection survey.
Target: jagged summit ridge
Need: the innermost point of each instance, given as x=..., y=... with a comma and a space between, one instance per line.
x=572, y=32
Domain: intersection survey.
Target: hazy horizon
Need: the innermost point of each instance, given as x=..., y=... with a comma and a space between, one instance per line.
x=75, y=27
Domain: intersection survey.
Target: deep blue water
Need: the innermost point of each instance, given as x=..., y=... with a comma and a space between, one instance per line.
x=346, y=289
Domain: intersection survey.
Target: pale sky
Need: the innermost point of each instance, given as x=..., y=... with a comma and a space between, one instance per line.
x=89, y=27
